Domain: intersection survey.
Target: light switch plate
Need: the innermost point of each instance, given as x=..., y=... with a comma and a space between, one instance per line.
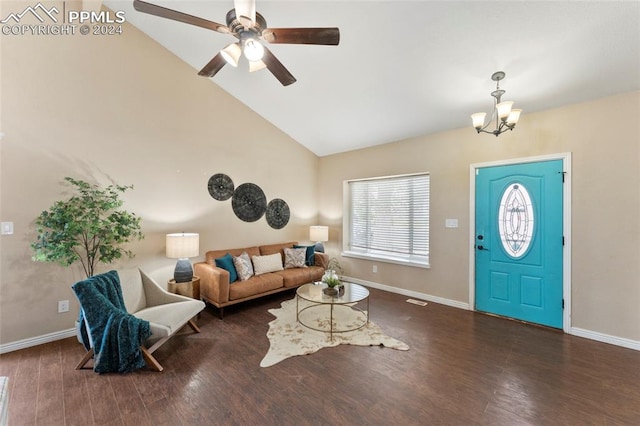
x=6, y=228
x=451, y=223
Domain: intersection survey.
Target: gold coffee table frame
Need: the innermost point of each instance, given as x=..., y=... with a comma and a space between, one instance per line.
x=353, y=295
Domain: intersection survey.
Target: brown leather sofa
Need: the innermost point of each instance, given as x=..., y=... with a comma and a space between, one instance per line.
x=216, y=289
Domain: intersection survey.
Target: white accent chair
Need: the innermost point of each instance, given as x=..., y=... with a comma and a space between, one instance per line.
x=166, y=312
x=4, y=401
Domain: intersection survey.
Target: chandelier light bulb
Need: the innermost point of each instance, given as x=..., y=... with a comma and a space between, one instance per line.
x=253, y=50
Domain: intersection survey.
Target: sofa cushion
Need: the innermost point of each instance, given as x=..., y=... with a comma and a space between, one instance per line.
x=264, y=264
x=294, y=257
x=243, y=265
x=255, y=285
x=212, y=255
x=275, y=248
x=298, y=276
x=226, y=262
x=311, y=251
x=168, y=318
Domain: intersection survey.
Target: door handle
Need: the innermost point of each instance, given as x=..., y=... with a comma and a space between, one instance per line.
x=482, y=248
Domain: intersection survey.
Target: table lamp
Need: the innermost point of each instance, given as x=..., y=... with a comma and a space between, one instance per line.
x=319, y=234
x=182, y=246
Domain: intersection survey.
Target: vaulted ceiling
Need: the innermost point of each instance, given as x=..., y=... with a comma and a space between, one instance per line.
x=408, y=68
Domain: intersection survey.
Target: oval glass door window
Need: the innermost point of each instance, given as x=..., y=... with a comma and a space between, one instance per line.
x=515, y=220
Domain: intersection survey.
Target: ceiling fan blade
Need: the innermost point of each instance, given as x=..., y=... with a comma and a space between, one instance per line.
x=213, y=66
x=245, y=11
x=325, y=36
x=277, y=69
x=163, y=12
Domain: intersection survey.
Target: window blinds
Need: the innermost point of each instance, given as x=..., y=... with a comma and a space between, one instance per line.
x=390, y=216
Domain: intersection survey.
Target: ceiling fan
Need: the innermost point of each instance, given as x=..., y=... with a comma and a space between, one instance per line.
x=249, y=27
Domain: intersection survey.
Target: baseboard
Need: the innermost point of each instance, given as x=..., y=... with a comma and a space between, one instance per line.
x=579, y=332
x=35, y=341
x=587, y=334
x=414, y=294
x=605, y=338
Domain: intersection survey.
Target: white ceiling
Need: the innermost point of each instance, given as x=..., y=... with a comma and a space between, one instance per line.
x=408, y=68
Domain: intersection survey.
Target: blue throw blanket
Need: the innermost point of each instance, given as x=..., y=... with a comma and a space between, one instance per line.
x=116, y=334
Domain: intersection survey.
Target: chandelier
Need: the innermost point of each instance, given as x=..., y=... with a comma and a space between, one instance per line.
x=503, y=116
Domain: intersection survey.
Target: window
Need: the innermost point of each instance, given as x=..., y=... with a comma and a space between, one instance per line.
x=388, y=219
x=516, y=220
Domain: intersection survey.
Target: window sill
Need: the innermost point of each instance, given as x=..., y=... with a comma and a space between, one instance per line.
x=378, y=258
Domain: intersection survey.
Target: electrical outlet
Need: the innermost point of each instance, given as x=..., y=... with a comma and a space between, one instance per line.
x=63, y=306
x=375, y=269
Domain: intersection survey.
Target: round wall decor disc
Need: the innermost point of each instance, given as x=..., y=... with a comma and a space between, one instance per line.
x=249, y=202
x=220, y=187
x=277, y=213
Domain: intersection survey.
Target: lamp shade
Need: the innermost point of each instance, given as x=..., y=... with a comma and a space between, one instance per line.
x=232, y=53
x=256, y=66
x=478, y=119
x=319, y=233
x=504, y=109
x=514, y=116
x=183, y=245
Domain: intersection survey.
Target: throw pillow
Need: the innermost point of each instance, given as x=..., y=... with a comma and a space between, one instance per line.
x=243, y=266
x=226, y=263
x=295, y=257
x=269, y=263
x=310, y=258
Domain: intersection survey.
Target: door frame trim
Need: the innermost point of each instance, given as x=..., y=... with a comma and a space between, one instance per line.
x=566, y=226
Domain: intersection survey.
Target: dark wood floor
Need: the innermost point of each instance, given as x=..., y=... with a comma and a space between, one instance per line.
x=463, y=368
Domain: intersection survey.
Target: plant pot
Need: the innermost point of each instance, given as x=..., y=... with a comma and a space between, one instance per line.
x=337, y=290
x=330, y=291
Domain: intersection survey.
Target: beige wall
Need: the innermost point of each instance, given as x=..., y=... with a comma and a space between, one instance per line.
x=123, y=109
x=603, y=137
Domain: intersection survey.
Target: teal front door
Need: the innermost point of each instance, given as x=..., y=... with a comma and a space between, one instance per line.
x=519, y=241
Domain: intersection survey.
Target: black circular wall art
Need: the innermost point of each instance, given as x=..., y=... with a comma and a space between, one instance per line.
x=220, y=187
x=249, y=202
x=277, y=213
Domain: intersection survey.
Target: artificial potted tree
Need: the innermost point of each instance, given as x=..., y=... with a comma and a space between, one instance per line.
x=88, y=228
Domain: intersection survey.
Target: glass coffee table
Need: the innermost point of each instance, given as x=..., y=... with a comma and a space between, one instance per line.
x=313, y=305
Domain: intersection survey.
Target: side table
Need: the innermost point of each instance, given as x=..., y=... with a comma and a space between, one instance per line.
x=188, y=288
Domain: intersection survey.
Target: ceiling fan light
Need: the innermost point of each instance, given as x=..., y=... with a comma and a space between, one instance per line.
x=231, y=54
x=504, y=109
x=253, y=50
x=478, y=119
x=256, y=66
x=513, y=117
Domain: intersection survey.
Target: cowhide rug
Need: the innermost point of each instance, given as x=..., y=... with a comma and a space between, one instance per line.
x=289, y=338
